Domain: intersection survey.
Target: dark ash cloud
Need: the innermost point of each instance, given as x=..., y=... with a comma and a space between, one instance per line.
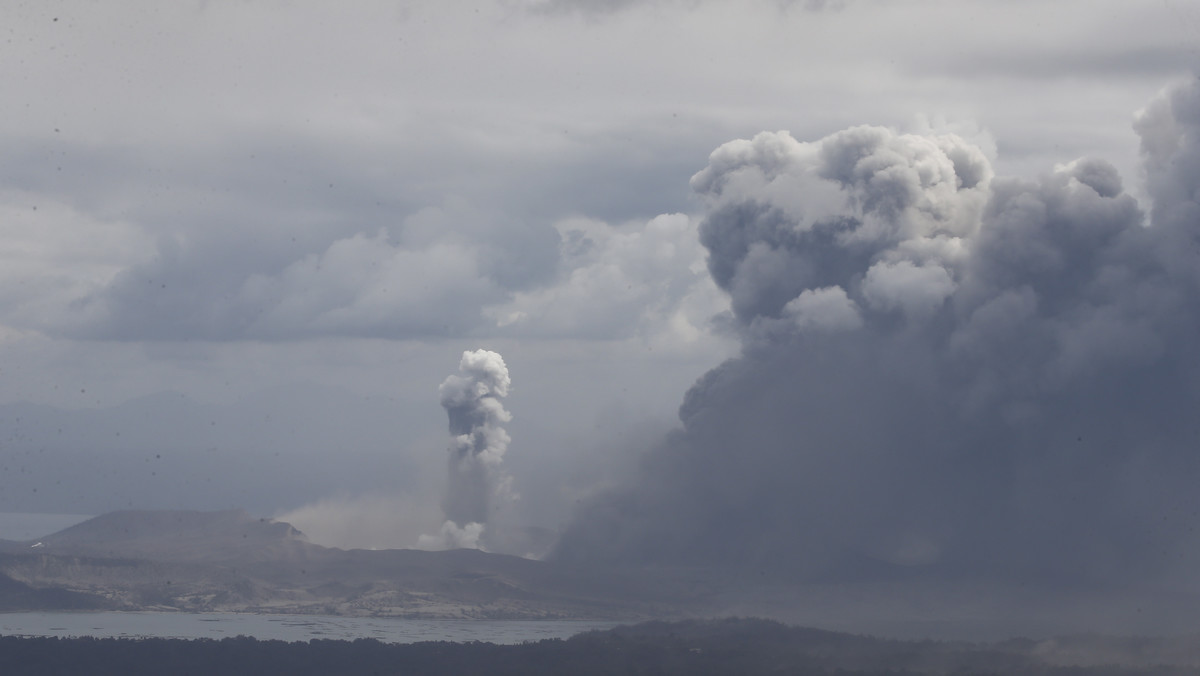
x=942, y=371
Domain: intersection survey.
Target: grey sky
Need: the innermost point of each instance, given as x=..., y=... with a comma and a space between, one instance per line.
x=297, y=217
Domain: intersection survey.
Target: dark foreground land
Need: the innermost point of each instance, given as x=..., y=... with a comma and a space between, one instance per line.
x=735, y=646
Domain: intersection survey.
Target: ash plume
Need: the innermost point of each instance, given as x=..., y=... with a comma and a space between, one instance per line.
x=942, y=370
x=478, y=442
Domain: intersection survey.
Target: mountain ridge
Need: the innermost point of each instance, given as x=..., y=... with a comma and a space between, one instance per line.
x=231, y=561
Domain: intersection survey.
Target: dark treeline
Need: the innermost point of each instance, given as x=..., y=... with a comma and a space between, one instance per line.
x=695, y=648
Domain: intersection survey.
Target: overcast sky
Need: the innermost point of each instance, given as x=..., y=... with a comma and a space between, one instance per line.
x=242, y=243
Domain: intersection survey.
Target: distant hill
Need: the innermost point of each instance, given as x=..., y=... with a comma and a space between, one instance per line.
x=231, y=561
x=195, y=537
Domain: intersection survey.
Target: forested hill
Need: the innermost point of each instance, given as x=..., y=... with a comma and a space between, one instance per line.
x=695, y=648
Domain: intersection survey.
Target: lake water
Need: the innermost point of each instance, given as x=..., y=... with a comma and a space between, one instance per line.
x=287, y=627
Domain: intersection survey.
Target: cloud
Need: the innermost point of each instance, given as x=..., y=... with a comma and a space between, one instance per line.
x=364, y=285
x=916, y=290
x=430, y=274
x=304, y=152
x=609, y=7
x=617, y=282
x=54, y=254
x=586, y=6
x=1170, y=134
x=449, y=271
x=942, y=370
x=826, y=309
x=786, y=217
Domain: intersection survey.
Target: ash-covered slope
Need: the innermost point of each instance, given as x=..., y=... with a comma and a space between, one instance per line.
x=16, y=595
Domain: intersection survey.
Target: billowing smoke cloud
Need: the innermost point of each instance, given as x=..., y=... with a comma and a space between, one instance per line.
x=477, y=445
x=371, y=521
x=942, y=370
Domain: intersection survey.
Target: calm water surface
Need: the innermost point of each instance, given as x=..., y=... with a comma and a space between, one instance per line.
x=287, y=627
